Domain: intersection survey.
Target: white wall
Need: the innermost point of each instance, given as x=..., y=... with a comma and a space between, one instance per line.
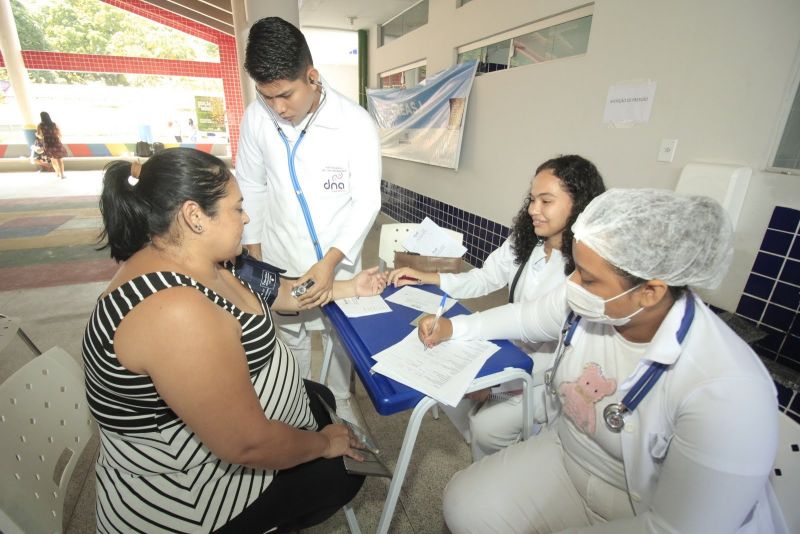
x=332, y=51
x=724, y=70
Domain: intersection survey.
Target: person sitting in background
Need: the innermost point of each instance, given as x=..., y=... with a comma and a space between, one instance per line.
x=205, y=421
x=535, y=259
x=659, y=417
x=39, y=158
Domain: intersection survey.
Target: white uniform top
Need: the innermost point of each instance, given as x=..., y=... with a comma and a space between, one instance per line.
x=539, y=277
x=698, y=450
x=338, y=166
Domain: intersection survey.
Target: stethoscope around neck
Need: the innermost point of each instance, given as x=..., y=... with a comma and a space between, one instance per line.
x=290, y=153
x=614, y=413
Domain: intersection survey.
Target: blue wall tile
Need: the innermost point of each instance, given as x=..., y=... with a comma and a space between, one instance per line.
x=784, y=395
x=791, y=348
x=759, y=286
x=750, y=307
x=768, y=264
x=778, y=317
x=795, y=404
x=786, y=295
x=776, y=242
x=791, y=272
x=795, y=252
x=785, y=219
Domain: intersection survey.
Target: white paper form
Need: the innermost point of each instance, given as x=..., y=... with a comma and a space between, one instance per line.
x=430, y=240
x=443, y=372
x=419, y=299
x=363, y=306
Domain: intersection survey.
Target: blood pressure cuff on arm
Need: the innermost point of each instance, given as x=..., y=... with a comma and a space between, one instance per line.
x=263, y=278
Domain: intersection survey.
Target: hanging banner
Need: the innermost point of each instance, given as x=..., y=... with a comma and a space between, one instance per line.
x=424, y=123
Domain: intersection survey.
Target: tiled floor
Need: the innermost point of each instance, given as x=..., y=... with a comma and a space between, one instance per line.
x=57, y=315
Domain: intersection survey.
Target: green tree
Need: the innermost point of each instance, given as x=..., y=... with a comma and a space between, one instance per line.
x=93, y=27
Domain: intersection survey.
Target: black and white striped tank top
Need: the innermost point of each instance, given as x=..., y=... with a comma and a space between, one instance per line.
x=153, y=473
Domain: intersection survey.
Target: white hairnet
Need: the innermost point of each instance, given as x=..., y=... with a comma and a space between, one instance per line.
x=659, y=234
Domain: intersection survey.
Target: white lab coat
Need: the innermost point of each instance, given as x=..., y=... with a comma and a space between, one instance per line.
x=338, y=165
x=700, y=446
x=538, y=277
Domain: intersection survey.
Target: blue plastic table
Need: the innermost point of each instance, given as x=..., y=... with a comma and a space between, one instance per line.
x=363, y=337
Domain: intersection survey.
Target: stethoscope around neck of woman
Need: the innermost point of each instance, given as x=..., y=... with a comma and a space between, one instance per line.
x=613, y=414
x=290, y=153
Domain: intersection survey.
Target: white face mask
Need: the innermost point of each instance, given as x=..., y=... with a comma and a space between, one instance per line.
x=593, y=308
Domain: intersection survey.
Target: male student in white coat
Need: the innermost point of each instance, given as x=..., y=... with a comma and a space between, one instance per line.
x=308, y=164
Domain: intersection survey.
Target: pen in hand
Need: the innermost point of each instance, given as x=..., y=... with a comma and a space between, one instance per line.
x=439, y=313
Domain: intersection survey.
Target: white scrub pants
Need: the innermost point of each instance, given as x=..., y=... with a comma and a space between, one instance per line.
x=299, y=341
x=495, y=425
x=532, y=487
x=487, y=427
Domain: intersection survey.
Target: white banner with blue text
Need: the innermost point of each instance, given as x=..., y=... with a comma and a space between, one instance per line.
x=424, y=123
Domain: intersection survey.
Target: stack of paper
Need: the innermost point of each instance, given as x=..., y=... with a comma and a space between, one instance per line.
x=443, y=372
x=430, y=240
x=363, y=306
x=419, y=299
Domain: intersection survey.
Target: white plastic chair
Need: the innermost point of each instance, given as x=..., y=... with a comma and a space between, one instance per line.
x=44, y=427
x=785, y=477
x=394, y=235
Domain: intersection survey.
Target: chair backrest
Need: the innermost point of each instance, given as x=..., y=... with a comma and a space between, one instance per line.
x=394, y=235
x=785, y=477
x=44, y=426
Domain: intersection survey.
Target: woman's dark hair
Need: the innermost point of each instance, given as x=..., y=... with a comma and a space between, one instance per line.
x=580, y=178
x=132, y=214
x=276, y=50
x=675, y=291
x=46, y=120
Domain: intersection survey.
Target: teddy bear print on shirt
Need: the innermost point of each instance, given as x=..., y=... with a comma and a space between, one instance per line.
x=579, y=397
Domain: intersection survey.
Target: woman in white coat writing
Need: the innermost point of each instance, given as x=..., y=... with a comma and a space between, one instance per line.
x=658, y=417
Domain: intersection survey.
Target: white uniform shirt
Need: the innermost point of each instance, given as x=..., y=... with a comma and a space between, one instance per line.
x=539, y=277
x=699, y=448
x=338, y=166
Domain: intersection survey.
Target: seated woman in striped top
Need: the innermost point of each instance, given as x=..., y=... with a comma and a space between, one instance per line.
x=205, y=422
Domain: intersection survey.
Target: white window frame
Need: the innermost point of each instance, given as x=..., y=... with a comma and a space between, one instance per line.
x=786, y=108
x=410, y=66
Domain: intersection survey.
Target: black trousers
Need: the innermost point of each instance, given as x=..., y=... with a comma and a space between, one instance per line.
x=306, y=494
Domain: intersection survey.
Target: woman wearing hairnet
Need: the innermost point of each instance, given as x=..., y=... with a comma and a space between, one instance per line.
x=658, y=417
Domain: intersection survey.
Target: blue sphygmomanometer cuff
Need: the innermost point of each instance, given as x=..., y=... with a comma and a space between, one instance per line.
x=263, y=278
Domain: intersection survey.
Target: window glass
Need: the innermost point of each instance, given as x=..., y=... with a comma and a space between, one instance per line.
x=567, y=39
x=788, y=154
x=407, y=21
x=563, y=40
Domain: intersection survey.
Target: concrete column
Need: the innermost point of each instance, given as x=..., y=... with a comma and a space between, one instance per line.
x=247, y=12
x=17, y=73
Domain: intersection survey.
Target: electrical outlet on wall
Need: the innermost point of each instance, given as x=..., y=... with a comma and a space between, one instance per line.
x=667, y=150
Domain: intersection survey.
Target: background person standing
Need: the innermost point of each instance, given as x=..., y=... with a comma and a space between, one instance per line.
x=303, y=136
x=50, y=135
